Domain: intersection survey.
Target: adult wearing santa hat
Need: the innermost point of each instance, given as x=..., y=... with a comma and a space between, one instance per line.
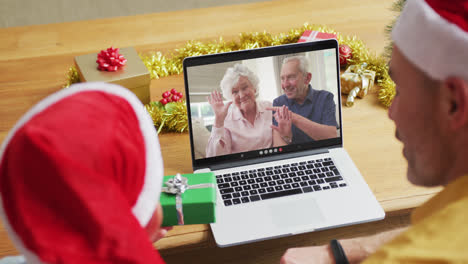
x=429, y=66
x=80, y=178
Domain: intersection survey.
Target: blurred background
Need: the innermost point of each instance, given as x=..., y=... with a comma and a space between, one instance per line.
x=15, y=13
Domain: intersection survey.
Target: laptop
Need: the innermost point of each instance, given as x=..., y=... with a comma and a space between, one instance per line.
x=270, y=192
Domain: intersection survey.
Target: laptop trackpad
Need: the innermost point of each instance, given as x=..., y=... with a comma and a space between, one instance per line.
x=301, y=212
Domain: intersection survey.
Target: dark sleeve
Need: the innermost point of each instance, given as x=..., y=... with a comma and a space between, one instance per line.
x=329, y=111
x=276, y=102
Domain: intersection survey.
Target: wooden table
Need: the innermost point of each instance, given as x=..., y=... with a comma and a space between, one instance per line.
x=35, y=59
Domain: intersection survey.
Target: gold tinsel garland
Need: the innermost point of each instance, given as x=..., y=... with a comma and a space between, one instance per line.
x=173, y=116
x=72, y=76
x=170, y=117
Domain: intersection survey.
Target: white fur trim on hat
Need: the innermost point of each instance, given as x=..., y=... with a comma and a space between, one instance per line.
x=437, y=47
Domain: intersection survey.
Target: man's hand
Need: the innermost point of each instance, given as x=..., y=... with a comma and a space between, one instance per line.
x=306, y=255
x=220, y=109
x=356, y=249
x=283, y=117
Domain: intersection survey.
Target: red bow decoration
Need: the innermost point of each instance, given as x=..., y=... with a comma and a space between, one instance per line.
x=110, y=60
x=345, y=54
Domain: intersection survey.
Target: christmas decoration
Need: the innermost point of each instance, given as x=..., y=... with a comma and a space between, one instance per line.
x=134, y=76
x=171, y=96
x=72, y=77
x=345, y=54
x=110, y=60
x=170, y=117
x=387, y=90
x=189, y=199
x=311, y=35
x=160, y=65
x=387, y=86
x=356, y=81
x=396, y=7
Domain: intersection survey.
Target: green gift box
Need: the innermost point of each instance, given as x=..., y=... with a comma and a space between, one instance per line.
x=196, y=195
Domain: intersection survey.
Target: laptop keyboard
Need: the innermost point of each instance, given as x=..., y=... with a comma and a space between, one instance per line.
x=278, y=181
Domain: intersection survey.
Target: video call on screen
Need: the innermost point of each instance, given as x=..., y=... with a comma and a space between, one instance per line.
x=203, y=80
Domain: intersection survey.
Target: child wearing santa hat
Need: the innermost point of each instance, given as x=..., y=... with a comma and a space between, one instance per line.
x=80, y=178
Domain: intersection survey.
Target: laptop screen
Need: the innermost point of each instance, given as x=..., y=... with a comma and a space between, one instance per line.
x=263, y=102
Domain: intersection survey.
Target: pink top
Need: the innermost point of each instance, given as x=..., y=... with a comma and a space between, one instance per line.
x=240, y=135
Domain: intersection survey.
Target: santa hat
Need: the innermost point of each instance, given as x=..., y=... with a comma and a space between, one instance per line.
x=80, y=177
x=433, y=35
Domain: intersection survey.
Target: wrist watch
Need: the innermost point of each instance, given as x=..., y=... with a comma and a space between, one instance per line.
x=338, y=252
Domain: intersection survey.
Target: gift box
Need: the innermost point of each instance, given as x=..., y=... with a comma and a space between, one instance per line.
x=311, y=35
x=189, y=199
x=133, y=75
x=356, y=81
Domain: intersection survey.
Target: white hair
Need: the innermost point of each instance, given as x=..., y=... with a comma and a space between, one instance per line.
x=231, y=77
x=303, y=63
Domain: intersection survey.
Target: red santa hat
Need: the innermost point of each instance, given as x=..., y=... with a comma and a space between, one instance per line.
x=80, y=177
x=433, y=35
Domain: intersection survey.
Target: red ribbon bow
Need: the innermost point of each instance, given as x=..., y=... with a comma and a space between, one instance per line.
x=110, y=60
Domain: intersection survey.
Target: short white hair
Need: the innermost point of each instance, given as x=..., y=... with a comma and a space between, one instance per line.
x=231, y=77
x=303, y=63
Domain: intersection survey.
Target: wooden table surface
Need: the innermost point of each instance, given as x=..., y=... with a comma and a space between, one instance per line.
x=34, y=61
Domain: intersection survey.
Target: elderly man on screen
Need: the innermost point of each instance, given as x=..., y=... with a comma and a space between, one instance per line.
x=311, y=114
x=430, y=68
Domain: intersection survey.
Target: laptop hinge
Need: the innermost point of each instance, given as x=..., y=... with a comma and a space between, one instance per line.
x=268, y=159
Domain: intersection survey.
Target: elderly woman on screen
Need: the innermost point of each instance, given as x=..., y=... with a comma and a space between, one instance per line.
x=247, y=124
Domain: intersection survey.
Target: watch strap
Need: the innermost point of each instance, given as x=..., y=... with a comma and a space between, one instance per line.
x=338, y=252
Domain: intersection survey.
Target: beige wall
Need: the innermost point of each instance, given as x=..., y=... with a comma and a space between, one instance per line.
x=30, y=12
